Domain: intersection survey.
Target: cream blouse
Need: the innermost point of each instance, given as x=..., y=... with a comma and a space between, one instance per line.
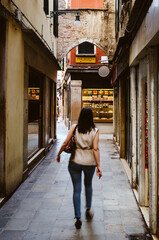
x=84, y=148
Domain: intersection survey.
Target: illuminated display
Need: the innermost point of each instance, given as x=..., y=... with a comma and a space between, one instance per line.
x=33, y=93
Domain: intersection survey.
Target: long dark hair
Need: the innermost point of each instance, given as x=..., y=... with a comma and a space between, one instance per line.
x=85, y=120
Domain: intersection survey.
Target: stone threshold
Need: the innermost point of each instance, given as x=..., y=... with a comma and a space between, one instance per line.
x=2, y=201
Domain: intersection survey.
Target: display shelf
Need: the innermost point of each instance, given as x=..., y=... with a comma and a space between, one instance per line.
x=101, y=103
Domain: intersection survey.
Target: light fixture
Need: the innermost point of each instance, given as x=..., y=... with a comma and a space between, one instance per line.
x=56, y=13
x=77, y=22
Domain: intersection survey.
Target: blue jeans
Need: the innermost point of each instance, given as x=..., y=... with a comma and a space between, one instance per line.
x=75, y=171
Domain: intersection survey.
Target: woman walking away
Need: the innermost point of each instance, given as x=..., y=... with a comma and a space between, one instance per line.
x=86, y=159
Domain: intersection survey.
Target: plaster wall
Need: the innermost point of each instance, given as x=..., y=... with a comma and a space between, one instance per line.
x=14, y=107
x=147, y=34
x=34, y=11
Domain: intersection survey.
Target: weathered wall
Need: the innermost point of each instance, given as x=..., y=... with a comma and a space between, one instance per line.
x=14, y=107
x=97, y=27
x=33, y=10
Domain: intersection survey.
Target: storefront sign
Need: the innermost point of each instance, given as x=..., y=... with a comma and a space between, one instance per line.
x=85, y=60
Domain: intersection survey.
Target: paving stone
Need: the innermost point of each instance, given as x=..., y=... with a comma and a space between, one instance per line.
x=114, y=213
x=17, y=224
x=3, y=222
x=113, y=220
x=24, y=214
x=114, y=228
x=135, y=229
x=92, y=228
x=116, y=236
x=36, y=236
x=12, y=235
x=6, y=213
x=40, y=227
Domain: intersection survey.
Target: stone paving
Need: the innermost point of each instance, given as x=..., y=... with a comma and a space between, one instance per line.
x=41, y=208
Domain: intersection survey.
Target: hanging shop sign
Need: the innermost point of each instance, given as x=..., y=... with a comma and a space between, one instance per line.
x=85, y=60
x=103, y=71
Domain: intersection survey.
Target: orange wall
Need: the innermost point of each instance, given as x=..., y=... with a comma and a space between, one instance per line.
x=72, y=56
x=99, y=53
x=87, y=4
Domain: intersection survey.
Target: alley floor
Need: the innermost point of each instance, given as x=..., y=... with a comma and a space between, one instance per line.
x=41, y=208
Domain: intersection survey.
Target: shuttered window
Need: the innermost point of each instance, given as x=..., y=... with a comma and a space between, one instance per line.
x=46, y=7
x=56, y=18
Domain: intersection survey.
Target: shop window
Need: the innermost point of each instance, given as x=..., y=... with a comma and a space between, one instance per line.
x=101, y=103
x=46, y=7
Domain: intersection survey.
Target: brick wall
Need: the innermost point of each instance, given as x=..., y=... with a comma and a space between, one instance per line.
x=97, y=27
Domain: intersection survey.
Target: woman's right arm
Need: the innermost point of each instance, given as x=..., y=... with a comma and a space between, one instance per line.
x=96, y=154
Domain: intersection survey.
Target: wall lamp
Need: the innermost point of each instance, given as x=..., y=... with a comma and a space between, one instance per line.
x=77, y=19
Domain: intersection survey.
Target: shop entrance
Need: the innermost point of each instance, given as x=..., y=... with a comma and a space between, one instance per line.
x=35, y=109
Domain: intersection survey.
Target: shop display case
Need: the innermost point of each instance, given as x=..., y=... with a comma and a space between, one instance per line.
x=101, y=103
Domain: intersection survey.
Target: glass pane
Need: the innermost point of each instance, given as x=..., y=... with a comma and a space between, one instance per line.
x=33, y=137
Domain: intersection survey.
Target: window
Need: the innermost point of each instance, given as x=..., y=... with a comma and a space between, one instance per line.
x=86, y=48
x=46, y=7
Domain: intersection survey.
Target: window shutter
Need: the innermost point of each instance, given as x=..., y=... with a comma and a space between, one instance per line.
x=46, y=7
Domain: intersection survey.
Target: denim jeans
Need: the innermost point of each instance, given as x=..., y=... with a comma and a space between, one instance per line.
x=75, y=171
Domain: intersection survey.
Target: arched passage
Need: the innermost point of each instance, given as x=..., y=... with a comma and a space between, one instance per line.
x=97, y=27
x=80, y=42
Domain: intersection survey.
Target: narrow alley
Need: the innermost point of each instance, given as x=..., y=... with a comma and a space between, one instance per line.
x=41, y=208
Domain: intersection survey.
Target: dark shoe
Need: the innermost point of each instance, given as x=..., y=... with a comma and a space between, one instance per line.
x=89, y=215
x=78, y=223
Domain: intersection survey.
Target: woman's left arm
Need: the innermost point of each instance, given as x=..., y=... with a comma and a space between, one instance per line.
x=65, y=142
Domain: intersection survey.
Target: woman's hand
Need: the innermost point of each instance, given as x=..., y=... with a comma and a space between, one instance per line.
x=99, y=172
x=58, y=158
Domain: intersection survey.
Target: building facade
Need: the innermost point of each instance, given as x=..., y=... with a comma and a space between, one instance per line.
x=135, y=80
x=84, y=84
x=28, y=72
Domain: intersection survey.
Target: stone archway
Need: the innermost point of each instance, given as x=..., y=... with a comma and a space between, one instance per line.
x=97, y=27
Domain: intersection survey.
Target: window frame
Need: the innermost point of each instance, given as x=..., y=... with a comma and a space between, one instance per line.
x=86, y=54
